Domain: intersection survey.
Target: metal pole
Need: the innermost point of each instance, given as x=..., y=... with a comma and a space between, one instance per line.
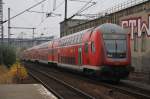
x=1, y=30
x=54, y=5
x=2, y=34
x=33, y=37
x=65, y=9
x=1, y=21
x=8, y=25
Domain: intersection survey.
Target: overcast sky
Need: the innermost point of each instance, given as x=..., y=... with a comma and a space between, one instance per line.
x=48, y=26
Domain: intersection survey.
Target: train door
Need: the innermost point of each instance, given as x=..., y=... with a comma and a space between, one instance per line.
x=80, y=56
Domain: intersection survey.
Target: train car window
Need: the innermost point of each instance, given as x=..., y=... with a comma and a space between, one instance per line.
x=76, y=39
x=68, y=41
x=80, y=38
x=60, y=42
x=92, y=47
x=63, y=42
x=86, y=47
x=49, y=51
x=72, y=40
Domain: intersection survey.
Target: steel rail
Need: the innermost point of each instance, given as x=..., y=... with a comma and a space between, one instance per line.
x=61, y=82
x=120, y=88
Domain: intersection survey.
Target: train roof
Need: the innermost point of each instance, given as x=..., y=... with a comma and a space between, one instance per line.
x=111, y=28
x=78, y=33
x=107, y=28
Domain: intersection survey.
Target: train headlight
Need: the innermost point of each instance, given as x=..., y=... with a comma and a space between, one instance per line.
x=109, y=55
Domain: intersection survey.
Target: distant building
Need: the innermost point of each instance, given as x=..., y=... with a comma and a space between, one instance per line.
x=65, y=25
x=26, y=43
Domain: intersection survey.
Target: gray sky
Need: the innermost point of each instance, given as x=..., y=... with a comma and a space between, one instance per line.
x=48, y=26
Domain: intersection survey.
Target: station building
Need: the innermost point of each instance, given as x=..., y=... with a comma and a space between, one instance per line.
x=133, y=15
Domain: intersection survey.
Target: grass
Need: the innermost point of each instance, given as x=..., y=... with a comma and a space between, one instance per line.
x=5, y=76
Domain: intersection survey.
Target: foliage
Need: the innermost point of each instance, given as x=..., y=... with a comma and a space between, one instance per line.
x=5, y=76
x=7, y=55
x=18, y=71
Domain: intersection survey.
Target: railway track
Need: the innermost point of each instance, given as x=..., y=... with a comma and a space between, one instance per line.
x=58, y=87
x=135, y=92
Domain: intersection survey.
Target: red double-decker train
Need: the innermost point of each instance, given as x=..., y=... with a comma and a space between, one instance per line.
x=103, y=51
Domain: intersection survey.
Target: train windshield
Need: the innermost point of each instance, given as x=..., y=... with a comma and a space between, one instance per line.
x=115, y=45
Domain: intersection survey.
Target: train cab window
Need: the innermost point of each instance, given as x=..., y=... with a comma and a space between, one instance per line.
x=86, y=47
x=115, y=45
x=92, y=47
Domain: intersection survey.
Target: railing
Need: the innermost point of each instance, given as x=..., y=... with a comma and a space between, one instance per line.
x=121, y=6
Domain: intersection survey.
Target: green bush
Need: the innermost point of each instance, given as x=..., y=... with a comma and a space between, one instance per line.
x=7, y=55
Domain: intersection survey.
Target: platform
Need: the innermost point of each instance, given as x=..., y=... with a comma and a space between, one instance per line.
x=25, y=91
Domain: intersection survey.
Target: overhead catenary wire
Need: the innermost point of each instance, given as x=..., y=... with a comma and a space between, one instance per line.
x=41, y=22
x=14, y=11
x=42, y=8
x=81, y=1
x=37, y=11
x=85, y=7
x=60, y=4
x=25, y=10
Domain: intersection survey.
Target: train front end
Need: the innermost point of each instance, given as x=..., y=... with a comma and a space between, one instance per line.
x=116, y=48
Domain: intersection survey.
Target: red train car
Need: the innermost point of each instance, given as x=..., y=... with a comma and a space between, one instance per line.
x=103, y=50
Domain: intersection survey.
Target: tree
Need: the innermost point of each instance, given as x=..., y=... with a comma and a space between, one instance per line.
x=7, y=55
